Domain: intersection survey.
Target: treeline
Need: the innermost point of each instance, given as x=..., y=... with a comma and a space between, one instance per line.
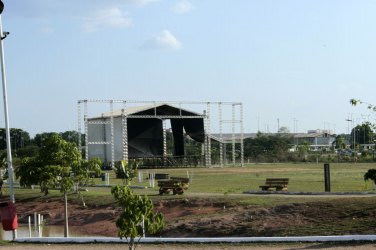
x=262, y=148
x=268, y=148
x=23, y=145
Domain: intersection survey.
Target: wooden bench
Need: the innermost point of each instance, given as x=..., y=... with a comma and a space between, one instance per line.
x=176, y=184
x=160, y=176
x=280, y=184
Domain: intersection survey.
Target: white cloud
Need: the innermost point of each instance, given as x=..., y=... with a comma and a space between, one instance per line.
x=181, y=7
x=112, y=17
x=163, y=40
x=167, y=40
x=141, y=2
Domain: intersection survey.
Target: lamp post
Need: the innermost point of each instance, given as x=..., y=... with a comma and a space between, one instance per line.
x=3, y=35
x=5, y=99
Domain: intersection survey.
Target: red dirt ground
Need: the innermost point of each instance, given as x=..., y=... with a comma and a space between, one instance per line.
x=203, y=217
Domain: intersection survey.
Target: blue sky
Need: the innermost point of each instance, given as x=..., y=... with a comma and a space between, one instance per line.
x=286, y=60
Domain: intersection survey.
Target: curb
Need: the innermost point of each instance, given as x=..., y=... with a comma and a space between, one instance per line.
x=342, y=238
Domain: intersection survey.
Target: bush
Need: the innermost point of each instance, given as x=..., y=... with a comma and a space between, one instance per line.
x=126, y=170
x=370, y=175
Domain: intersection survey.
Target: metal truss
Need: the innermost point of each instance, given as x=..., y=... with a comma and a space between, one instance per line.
x=234, y=121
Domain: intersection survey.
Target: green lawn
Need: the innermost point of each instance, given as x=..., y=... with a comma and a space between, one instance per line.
x=225, y=187
x=235, y=180
x=303, y=177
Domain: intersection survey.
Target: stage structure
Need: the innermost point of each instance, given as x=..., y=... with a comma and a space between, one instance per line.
x=138, y=128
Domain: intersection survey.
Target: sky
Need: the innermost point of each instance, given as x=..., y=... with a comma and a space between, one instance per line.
x=291, y=63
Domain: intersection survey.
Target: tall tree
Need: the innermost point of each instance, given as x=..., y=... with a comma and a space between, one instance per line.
x=72, y=136
x=370, y=139
x=18, y=139
x=266, y=145
x=38, y=138
x=362, y=134
x=58, y=164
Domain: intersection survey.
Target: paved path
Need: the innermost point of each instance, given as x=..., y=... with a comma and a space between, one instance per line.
x=294, y=246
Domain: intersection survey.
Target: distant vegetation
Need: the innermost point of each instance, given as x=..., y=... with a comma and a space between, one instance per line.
x=268, y=148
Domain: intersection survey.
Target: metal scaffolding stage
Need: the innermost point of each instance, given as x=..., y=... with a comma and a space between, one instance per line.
x=232, y=116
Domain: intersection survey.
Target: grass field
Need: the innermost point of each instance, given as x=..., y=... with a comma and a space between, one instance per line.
x=227, y=181
x=223, y=188
x=345, y=177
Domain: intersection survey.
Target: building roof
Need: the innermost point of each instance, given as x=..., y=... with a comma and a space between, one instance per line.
x=312, y=135
x=227, y=137
x=158, y=109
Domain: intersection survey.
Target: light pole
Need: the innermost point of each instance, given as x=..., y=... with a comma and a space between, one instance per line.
x=5, y=99
x=3, y=35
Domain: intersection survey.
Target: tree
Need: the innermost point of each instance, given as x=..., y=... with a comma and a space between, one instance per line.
x=284, y=130
x=362, y=134
x=39, y=138
x=27, y=151
x=370, y=175
x=355, y=102
x=303, y=149
x=126, y=170
x=31, y=172
x=137, y=216
x=72, y=136
x=58, y=164
x=266, y=145
x=18, y=139
x=340, y=142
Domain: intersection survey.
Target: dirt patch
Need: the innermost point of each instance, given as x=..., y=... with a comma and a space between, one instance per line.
x=93, y=220
x=205, y=217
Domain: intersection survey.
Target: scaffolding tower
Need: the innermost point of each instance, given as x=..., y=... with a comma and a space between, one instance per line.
x=236, y=122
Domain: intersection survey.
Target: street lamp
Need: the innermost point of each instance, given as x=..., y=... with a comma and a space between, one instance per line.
x=3, y=35
x=5, y=99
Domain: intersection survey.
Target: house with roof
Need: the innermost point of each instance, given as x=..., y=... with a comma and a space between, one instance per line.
x=318, y=140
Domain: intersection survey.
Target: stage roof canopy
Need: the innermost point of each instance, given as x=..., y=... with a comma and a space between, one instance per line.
x=145, y=128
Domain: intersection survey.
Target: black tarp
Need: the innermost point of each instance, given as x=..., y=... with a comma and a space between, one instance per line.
x=177, y=133
x=145, y=137
x=193, y=127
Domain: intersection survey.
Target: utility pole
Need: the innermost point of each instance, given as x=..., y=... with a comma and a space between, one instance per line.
x=3, y=35
x=350, y=120
x=278, y=125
